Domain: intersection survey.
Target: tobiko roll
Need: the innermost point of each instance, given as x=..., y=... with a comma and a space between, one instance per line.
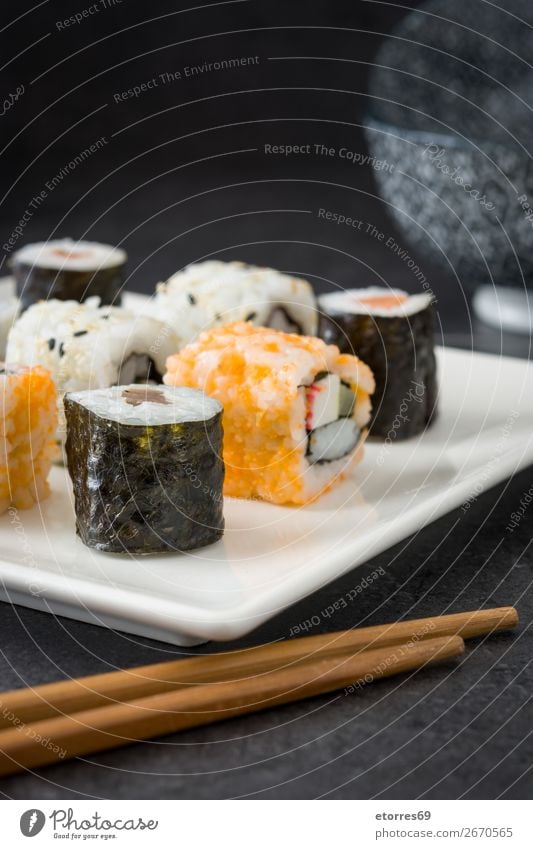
x=295, y=409
x=146, y=467
x=68, y=270
x=211, y=293
x=28, y=420
x=392, y=332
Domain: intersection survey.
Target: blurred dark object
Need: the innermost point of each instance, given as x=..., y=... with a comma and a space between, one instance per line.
x=451, y=108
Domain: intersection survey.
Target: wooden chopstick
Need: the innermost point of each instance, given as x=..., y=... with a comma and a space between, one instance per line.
x=98, y=729
x=48, y=700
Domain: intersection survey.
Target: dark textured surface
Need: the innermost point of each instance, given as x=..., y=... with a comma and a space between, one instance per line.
x=183, y=175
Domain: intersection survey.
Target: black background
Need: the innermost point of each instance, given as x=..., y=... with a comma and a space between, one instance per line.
x=172, y=185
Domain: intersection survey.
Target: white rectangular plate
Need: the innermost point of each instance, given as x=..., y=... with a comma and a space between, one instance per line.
x=272, y=556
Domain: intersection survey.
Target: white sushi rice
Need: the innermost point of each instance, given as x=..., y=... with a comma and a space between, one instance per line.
x=85, y=345
x=211, y=293
x=70, y=255
x=162, y=404
x=352, y=301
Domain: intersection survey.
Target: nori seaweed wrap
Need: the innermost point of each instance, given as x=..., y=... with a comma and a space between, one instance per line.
x=146, y=467
x=68, y=270
x=392, y=332
x=211, y=293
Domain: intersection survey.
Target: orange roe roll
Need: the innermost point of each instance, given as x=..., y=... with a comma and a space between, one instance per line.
x=28, y=421
x=295, y=408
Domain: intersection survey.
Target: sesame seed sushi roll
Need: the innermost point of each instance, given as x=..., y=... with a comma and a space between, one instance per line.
x=9, y=310
x=28, y=420
x=146, y=468
x=392, y=332
x=210, y=293
x=68, y=270
x=87, y=346
x=295, y=409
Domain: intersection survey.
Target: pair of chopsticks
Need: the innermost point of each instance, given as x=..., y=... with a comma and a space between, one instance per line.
x=82, y=716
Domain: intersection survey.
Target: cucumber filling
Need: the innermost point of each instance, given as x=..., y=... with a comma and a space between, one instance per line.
x=331, y=431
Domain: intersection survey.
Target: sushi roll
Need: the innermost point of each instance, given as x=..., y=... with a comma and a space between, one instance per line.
x=392, y=332
x=9, y=310
x=87, y=346
x=146, y=468
x=68, y=270
x=211, y=293
x=28, y=420
x=295, y=409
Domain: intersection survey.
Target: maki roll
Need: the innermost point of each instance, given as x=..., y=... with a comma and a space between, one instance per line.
x=89, y=346
x=68, y=270
x=146, y=468
x=392, y=332
x=28, y=420
x=211, y=293
x=295, y=409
